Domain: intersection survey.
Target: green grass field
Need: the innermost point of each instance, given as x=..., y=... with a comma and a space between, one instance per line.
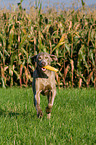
x=73, y=119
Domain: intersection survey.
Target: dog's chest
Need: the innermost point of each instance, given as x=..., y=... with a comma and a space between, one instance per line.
x=46, y=84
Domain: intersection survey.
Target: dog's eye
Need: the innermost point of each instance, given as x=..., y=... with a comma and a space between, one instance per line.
x=39, y=58
x=46, y=57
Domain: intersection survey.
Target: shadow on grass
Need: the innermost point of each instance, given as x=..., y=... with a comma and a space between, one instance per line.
x=11, y=114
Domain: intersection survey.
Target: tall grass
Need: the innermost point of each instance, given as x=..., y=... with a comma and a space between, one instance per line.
x=68, y=34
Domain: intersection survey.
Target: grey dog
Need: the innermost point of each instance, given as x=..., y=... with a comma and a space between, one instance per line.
x=43, y=82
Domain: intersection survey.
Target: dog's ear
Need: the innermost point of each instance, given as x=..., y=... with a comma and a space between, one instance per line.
x=33, y=58
x=53, y=57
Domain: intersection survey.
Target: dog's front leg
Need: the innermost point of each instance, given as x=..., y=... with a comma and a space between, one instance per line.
x=37, y=104
x=51, y=101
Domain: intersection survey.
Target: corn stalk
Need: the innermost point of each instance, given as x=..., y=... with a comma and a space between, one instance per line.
x=68, y=34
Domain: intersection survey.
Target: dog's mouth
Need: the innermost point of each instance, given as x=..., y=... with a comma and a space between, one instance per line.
x=43, y=69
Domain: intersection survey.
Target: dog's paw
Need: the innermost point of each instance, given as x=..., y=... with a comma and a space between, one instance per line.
x=48, y=110
x=40, y=114
x=49, y=116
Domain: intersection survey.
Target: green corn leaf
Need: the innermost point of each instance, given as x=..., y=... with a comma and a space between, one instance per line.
x=1, y=54
x=3, y=82
x=16, y=73
x=61, y=42
x=23, y=41
x=67, y=47
x=6, y=53
x=24, y=51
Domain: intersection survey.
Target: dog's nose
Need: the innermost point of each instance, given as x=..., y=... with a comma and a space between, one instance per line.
x=43, y=63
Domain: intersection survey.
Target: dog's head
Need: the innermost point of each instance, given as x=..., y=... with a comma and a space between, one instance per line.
x=44, y=59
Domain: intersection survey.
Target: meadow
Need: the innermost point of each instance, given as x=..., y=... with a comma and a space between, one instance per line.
x=73, y=119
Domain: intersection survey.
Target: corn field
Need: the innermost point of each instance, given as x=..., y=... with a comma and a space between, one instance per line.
x=68, y=34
